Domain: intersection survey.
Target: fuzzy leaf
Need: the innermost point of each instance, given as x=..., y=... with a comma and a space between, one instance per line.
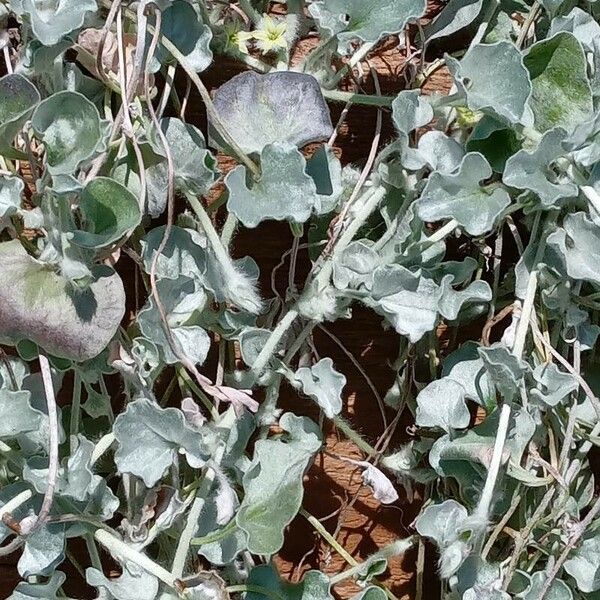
x=504, y=369
x=371, y=593
x=323, y=384
x=41, y=306
x=408, y=301
x=11, y=189
x=18, y=97
x=581, y=24
x=559, y=590
x=195, y=165
x=578, y=243
x=460, y=196
x=442, y=404
x=109, y=211
x=441, y=522
x=283, y=107
x=456, y=15
x=273, y=486
x=552, y=384
x=44, y=550
x=138, y=585
x=561, y=95
x=149, y=437
x=43, y=591
x=182, y=26
x=285, y=190
x=530, y=170
x=52, y=20
x=69, y=125
x=18, y=416
x=314, y=585
x=351, y=19
x=584, y=565
x=440, y=152
x=410, y=110
x=494, y=79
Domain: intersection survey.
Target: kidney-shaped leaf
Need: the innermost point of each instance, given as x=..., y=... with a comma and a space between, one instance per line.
x=41, y=306
x=368, y=21
x=273, y=483
x=69, y=125
x=494, y=79
x=285, y=190
x=323, y=384
x=314, y=586
x=182, y=25
x=149, y=437
x=454, y=16
x=109, y=211
x=584, y=565
x=460, y=196
x=53, y=19
x=561, y=95
x=442, y=404
x=578, y=242
x=282, y=107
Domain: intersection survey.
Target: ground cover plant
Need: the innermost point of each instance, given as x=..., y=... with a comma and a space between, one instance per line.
x=474, y=234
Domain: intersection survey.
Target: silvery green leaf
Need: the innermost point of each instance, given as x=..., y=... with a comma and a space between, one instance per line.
x=581, y=24
x=440, y=152
x=552, y=384
x=149, y=437
x=252, y=340
x=452, y=301
x=466, y=367
x=75, y=324
x=354, y=266
x=495, y=140
x=43, y=591
x=183, y=255
x=504, y=369
x=50, y=21
x=410, y=109
x=182, y=26
x=460, y=196
x=76, y=480
x=69, y=125
x=559, y=590
x=408, y=301
x=137, y=585
x=44, y=551
x=224, y=548
x=442, y=404
x=442, y=522
x=371, y=593
x=529, y=170
x=351, y=19
x=323, y=384
x=278, y=108
x=584, y=565
x=13, y=367
x=284, y=191
x=494, y=79
x=578, y=243
x=456, y=15
x=18, y=97
x=180, y=299
x=273, y=483
x=11, y=189
x=478, y=593
x=194, y=164
x=109, y=211
x=561, y=95
x=18, y=416
x=314, y=585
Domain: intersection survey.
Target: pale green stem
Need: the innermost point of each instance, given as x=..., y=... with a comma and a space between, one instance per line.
x=523, y=325
x=123, y=552
x=75, y=411
x=193, y=517
x=394, y=549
